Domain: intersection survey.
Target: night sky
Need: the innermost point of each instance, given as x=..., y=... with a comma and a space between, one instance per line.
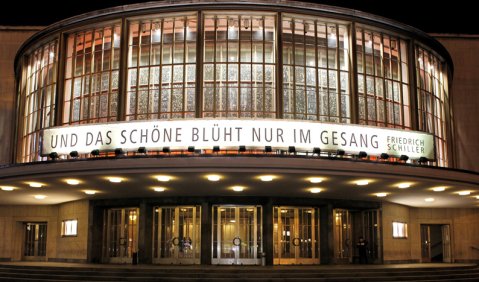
x=457, y=16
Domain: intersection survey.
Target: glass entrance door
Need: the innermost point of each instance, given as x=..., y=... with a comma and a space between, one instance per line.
x=177, y=235
x=237, y=234
x=121, y=243
x=343, y=248
x=295, y=235
x=35, y=243
x=435, y=243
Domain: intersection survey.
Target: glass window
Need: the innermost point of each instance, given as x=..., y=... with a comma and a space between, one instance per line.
x=432, y=99
x=383, y=83
x=239, y=66
x=162, y=68
x=91, y=75
x=399, y=230
x=37, y=92
x=69, y=227
x=315, y=70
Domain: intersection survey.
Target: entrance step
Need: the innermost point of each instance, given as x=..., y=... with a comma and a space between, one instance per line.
x=85, y=272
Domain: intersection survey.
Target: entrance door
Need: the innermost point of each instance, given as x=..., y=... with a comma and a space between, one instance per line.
x=177, y=235
x=343, y=245
x=237, y=234
x=295, y=235
x=121, y=235
x=35, y=243
x=371, y=233
x=435, y=243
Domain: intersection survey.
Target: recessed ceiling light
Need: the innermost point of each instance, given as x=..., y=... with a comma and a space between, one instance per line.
x=237, y=188
x=163, y=178
x=40, y=197
x=159, y=189
x=7, y=188
x=315, y=190
x=315, y=179
x=267, y=178
x=35, y=184
x=380, y=195
x=362, y=182
x=438, y=189
x=115, y=179
x=72, y=181
x=404, y=185
x=90, y=192
x=477, y=197
x=211, y=177
x=464, y=193
x=429, y=200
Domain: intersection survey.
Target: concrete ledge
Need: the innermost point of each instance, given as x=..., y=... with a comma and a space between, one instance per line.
x=5, y=259
x=67, y=260
x=401, y=261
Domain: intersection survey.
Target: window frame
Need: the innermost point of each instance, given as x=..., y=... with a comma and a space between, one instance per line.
x=63, y=228
x=401, y=224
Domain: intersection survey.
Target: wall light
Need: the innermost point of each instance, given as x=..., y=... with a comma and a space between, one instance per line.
x=317, y=151
x=119, y=152
x=315, y=179
x=163, y=178
x=384, y=156
x=53, y=155
x=340, y=152
x=166, y=150
x=362, y=182
x=216, y=149
x=95, y=152
x=7, y=188
x=267, y=178
x=74, y=154
x=404, y=158
x=268, y=149
x=362, y=155
x=237, y=188
x=438, y=189
x=242, y=149
x=114, y=179
x=142, y=150
x=404, y=185
x=213, y=177
x=315, y=190
x=72, y=181
x=191, y=149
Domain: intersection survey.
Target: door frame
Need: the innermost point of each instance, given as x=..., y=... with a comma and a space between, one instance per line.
x=447, y=248
x=236, y=260
x=176, y=259
x=121, y=259
x=36, y=257
x=314, y=234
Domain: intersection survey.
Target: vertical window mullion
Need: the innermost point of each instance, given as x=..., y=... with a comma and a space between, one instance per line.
x=338, y=76
x=185, y=24
x=316, y=71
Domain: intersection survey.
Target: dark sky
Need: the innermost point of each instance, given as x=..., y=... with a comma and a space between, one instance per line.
x=432, y=16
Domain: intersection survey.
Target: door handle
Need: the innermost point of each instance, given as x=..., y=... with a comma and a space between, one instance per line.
x=296, y=241
x=237, y=241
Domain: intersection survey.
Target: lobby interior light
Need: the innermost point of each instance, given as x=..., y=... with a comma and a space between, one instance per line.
x=315, y=179
x=315, y=190
x=464, y=193
x=362, y=154
x=362, y=182
x=163, y=178
x=39, y=197
x=381, y=195
x=404, y=185
x=439, y=189
x=159, y=189
x=74, y=154
x=72, y=181
x=53, y=155
x=90, y=192
x=7, y=188
x=119, y=152
x=404, y=158
x=267, y=178
x=114, y=179
x=237, y=188
x=213, y=177
x=35, y=184
x=384, y=156
x=429, y=200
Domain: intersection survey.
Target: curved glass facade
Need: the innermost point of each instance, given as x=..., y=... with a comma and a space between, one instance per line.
x=234, y=64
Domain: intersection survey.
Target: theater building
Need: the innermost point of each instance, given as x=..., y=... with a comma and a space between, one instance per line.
x=228, y=132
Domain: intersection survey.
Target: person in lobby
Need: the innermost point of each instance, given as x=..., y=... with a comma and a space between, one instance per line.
x=362, y=246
